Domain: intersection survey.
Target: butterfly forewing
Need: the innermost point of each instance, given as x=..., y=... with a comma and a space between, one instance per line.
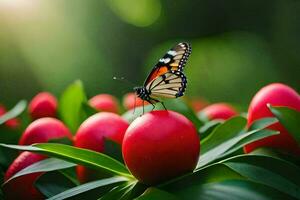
x=174, y=60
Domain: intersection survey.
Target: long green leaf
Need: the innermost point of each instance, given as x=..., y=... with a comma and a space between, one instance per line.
x=71, y=105
x=14, y=112
x=121, y=192
x=46, y=165
x=74, y=192
x=233, y=144
x=256, y=135
x=231, y=190
x=53, y=183
x=263, y=123
x=208, y=128
x=290, y=119
x=223, y=132
x=273, y=172
x=213, y=173
x=76, y=155
x=156, y=194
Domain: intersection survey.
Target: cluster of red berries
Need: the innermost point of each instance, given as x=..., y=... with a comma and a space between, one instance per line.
x=156, y=146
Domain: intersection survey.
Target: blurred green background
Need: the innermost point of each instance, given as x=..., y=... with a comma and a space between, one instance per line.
x=238, y=46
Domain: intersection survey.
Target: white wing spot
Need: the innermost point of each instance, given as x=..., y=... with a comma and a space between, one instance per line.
x=172, y=53
x=167, y=60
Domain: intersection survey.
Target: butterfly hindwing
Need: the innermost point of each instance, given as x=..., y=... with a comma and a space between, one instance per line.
x=169, y=85
x=174, y=60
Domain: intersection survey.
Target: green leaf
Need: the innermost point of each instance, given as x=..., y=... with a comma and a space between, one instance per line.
x=120, y=192
x=263, y=123
x=208, y=128
x=231, y=190
x=70, y=173
x=53, y=183
x=270, y=171
x=104, y=184
x=213, y=173
x=290, y=119
x=232, y=145
x=13, y=113
x=113, y=149
x=46, y=165
x=176, y=105
x=254, y=136
x=76, y=155
x=156, y=194
x=71, y=106
x=222, y=133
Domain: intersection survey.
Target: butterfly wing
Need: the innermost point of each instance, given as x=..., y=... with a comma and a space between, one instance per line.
x=172, y=84
x=174, y=60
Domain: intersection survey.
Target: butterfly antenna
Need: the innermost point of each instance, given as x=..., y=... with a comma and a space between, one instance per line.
x=124, y=80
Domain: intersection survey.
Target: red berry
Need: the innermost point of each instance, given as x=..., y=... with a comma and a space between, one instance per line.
x=22, y=187
x=219, y=111
x=276, y=94
x=130, y=100
x=198, y=104
x=160, y=145
x=43, y=130
x=105, y=102
x=43, y=104
x=91, y=135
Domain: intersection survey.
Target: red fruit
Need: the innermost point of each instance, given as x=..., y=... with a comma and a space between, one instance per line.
x=198, y=104
x=160, y=145
x=130, y=100
x=219, y=111
x=276, y=94
x=23, y=186
x=12, y=123
x=105, y=102
x=43, y=130
x=91, y=135
x=43, y=104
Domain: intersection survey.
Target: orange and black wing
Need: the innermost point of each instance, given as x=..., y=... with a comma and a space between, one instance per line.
x=174, y=60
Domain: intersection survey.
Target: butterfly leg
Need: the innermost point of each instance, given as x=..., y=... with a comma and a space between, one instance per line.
x=162, y=103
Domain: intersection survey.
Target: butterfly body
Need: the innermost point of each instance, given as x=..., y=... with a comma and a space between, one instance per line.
x=166, y=80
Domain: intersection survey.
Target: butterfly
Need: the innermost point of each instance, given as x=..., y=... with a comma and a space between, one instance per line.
x=166, y=80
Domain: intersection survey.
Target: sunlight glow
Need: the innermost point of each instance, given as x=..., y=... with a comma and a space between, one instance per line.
x=17, y=5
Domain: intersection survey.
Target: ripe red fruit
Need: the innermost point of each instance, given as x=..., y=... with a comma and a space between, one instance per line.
x=91, y=135
x=43, y=104
x=130, y=100
x=218, y=111
x=22, y=187
x=43, y=130
x=12, y=123
x=198, y=104
x=160, y=145
x=105, y=102
x=276, y=94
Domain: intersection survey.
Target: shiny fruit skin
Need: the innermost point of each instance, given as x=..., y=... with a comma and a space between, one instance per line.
x=22, y=187
x=44, y=129
x=105, y=102
x=219, y=111
x=160, y=145
x=44, y=104
x=91, y=135
x=275, y=94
